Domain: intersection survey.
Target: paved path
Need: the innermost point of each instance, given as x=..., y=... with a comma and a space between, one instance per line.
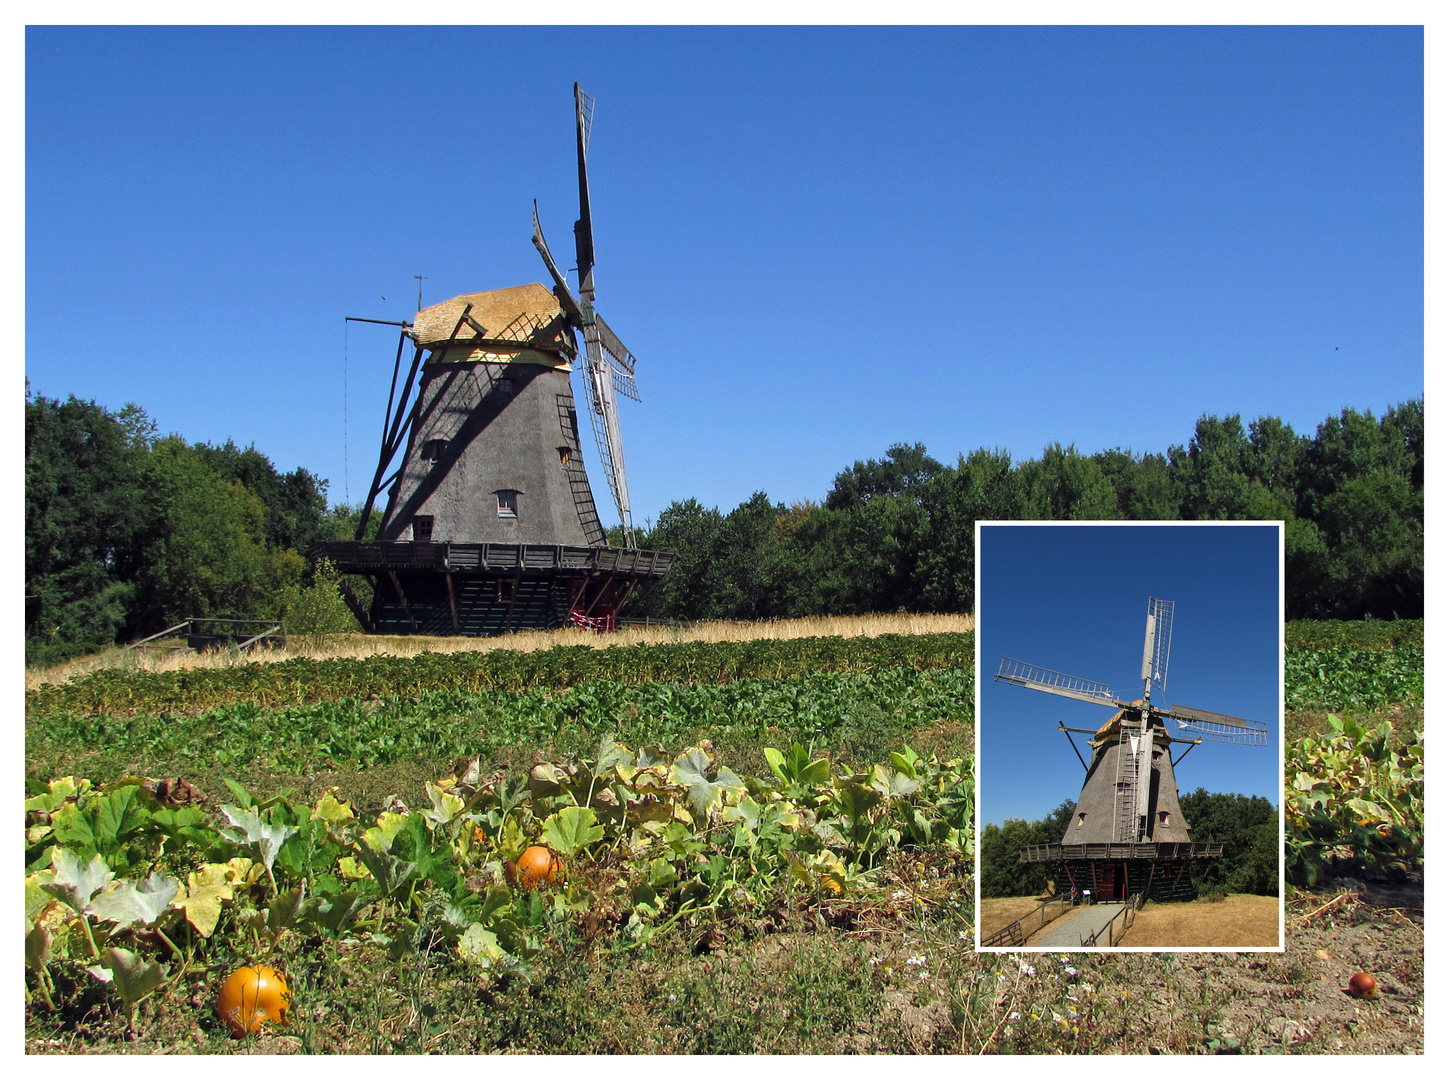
x=1067, y=931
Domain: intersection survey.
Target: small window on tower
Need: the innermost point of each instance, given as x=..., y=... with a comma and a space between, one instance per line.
x=1081, y=820
x=508, y=504
x=564, y=454
x=423, y=528
x=433, y=449
x=505, y=385
x=1162, y=818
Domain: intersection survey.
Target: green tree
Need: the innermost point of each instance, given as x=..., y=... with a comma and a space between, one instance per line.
x=1144, y=486
x=296, y=502
x=1065, y=486
x=982, y=487
x=204, y=550
x=83, y=512
x=905, y=470
x=1247, y=827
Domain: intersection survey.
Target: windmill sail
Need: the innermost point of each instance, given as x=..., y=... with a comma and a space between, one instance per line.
x=608, y=365
x=1219, y=727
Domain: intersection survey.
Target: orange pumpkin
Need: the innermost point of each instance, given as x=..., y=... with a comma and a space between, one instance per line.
x=250, y=997
x=537, y=866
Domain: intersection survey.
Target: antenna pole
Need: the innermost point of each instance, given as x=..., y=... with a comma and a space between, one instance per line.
x=420, y=280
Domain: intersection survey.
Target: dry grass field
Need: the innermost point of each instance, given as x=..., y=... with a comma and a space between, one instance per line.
x=998, y=913
x=344, y=646
x=1238, y=922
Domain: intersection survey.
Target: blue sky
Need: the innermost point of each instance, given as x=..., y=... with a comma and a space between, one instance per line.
x=1073, y=598
x=818, y=241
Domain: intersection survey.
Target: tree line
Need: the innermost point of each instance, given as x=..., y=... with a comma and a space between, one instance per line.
x=128, y=532
x=898, y=533
x=1246, y=826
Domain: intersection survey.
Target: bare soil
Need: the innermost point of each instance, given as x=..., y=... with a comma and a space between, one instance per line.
x=1239, y=921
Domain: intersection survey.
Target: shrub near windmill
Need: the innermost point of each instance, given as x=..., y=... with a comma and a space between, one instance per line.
x=490, y=523
x=1127, y=833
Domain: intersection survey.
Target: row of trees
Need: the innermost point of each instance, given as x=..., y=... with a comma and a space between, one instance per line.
x=1246, y=826
x=127, y=532
x=899, y=533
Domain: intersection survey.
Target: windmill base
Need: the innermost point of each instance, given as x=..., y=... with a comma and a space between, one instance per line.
x=480, y=590
x=1161, y=872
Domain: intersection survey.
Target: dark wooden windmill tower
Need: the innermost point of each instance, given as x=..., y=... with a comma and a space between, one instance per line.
x=490, y=523
x=1127, y=833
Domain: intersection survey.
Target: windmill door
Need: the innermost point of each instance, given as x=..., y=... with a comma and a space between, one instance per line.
x=1108, y=887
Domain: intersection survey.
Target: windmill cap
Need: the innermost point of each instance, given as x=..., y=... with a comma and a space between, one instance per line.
x=527, y=314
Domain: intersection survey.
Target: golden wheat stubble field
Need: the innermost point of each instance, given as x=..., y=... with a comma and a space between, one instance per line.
x=165, y=657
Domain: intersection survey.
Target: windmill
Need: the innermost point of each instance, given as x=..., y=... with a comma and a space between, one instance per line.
x=490, y=524
x=1128, y=814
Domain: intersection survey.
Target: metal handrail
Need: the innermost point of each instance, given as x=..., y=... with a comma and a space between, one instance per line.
x=1015, y=933
x=1128, y=913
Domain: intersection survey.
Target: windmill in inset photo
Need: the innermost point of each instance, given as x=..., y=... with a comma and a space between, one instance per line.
x=1127, y=817
x=490, y=524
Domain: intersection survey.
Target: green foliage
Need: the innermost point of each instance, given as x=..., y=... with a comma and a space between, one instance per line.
x=126, y=533
x=1001, y=873
x=1355, y=798
x=1352, y=678
x=1366, y=634
x=1247, y=827
x=899, y=532
x=318, y=608
x=84, y=508
x=693, y=839
x=301, y=681
x=865, y=712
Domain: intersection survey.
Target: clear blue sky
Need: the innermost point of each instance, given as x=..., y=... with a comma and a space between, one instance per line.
x=818, y=241
x=1073, y=598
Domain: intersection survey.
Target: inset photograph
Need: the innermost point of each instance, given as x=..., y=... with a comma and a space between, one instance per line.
x=1129, y=726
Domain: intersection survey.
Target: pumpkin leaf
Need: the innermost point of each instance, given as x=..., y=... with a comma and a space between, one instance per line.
x=37, y=948
x=480, y=946
x=252, y=828
x=126, y=902
x=572, y=829
x=134, y=976
x=446, y=806
x=75, y=884
x=207, y=888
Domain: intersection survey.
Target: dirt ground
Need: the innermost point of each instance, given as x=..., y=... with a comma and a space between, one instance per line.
x=1237, y=922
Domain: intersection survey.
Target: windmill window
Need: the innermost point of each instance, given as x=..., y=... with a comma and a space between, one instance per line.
x=1162, y=818
x=433, y=449
x=564, y=453
x=1081, y=820
x=508, y=504
x=423, y=528
x=504, y=385
x=506, y=590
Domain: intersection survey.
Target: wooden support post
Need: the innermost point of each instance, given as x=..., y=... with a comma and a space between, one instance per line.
x=406, y=610
x=355, y=606
x=452, y=604
x=513, y=597
x=1180, y=872
x=599, y=595
x=1151, y=869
